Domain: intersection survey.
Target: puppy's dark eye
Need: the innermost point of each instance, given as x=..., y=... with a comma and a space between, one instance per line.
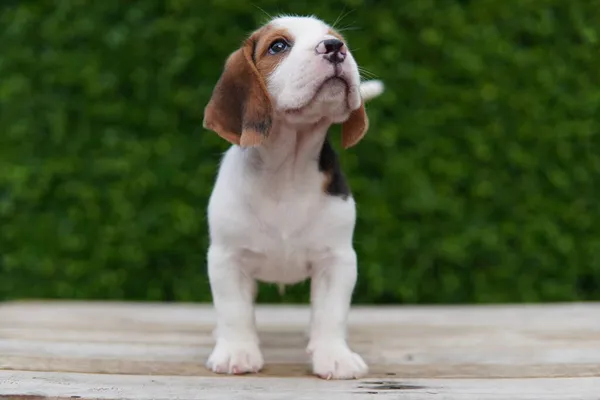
x=278, y=46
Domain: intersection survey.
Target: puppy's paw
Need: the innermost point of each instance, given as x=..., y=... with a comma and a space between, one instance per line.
x=229, y=357
x=333, y=359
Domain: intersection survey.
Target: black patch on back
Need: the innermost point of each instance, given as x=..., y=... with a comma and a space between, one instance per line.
x=329, y=164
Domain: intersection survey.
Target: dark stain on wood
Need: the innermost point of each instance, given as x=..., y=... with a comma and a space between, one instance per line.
x=389, y=385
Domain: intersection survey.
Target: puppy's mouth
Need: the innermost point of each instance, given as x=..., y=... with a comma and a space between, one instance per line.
x=332, y=80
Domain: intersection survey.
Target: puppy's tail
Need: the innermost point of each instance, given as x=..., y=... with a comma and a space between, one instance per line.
x=371, y=89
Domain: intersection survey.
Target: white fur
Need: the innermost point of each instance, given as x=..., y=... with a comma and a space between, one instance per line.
x=295, y=81
x=270, y=220
x=371, y=89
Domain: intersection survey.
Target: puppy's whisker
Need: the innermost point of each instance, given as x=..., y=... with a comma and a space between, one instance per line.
x=347, y=14
x=269, y=16
x=365, y=78
x=368, y=78
x=366, y=73
x=349, y=28
x=363, y=69
x=333, y=25
x=340, y=18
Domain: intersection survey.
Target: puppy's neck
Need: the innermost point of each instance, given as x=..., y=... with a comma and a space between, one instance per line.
x=290, y=146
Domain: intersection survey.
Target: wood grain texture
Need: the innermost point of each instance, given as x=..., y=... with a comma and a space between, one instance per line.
x=148, y=351
x=80, y=386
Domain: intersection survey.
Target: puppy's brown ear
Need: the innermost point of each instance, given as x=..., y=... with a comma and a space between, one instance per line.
x=240, y=109
x=355, y=127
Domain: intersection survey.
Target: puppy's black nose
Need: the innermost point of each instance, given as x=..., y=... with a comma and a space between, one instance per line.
x=333, y=45
x=333, y=50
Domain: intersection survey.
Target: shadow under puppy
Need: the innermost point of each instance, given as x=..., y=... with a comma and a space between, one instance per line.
x=281, y=210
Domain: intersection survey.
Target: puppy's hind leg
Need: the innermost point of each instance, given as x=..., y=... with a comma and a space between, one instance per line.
x=237, y=346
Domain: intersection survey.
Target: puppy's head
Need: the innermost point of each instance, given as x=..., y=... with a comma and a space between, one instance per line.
x=295, y=69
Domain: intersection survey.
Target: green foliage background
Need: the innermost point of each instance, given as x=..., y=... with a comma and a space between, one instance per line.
x=478, y=182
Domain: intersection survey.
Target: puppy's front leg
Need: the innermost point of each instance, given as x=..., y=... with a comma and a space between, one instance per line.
x=233, y=291
x=332, y=284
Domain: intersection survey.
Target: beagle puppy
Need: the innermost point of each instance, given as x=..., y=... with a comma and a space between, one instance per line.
x=281, y=210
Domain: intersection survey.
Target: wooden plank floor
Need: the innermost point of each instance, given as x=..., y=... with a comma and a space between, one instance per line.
x=68, y=350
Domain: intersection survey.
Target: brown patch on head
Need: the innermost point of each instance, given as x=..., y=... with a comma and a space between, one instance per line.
x=266, y=62
x=240, y=109
x=336, y=34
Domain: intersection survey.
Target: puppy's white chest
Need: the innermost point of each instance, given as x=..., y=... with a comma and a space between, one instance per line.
x=275, y=225
x=280, y=262
x=278, y=251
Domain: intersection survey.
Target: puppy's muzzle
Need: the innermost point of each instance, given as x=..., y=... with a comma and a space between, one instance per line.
x=333, y=50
